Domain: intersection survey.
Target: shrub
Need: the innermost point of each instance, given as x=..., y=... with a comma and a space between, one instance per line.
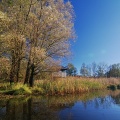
x=112, y=87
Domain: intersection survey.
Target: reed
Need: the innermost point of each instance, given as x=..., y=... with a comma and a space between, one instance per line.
x=68, y=86
x=61, y=86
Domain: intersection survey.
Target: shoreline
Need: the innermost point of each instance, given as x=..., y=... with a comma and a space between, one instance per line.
x=59, y=87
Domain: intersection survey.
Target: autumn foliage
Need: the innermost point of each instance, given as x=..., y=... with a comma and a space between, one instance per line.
x=33, y=34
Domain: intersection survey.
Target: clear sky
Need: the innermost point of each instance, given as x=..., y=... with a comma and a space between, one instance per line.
x=97, y=26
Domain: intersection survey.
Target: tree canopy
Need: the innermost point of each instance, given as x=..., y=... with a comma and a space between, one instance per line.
x=33, y=33
x=71, y=70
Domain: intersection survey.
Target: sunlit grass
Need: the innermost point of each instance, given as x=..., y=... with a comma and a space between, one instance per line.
x=15, y=89
x=21, y=89
x=61, y=86
x=68, y=86
x=4, y=86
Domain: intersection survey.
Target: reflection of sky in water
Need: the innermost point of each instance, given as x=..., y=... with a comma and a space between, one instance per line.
x=96, y=109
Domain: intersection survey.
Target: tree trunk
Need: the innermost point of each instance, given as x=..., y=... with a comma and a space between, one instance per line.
x=19, y=61
x=11, y=77
x=31, y=80
x=18, y=70
x=27, y=73
x=12, y=71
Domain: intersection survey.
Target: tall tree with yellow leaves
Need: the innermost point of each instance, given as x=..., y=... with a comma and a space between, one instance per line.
x=38, y=31
x=50, y=29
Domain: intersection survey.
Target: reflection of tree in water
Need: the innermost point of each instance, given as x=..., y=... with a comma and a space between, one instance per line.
x=105, y=101
x=44, y=108
x=116, y=97
x=63, y=102
x=35, y=108
x=100, y=102
x=61, y=106
x=2, y=107
x=27, y=110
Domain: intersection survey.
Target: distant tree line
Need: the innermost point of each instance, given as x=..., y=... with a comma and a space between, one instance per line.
x=100, y=70
x=95, y=70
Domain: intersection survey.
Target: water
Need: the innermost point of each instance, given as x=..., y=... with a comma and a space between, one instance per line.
x=102, y=105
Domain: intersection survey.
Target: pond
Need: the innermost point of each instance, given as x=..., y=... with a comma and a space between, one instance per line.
x=101, y=105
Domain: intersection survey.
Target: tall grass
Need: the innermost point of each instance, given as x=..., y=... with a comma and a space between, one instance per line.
x=68, y=86
x=61, y=86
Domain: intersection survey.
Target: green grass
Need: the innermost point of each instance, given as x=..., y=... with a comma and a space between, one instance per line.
x=15, y=89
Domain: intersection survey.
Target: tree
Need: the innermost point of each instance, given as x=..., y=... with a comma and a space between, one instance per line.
x=94, y=69
x=84, y=71
x=52, y=23
x=38, y=32
x=71, y=70
x=13, y=38
x=114, y=70
x=4, y=68
x=101, y=69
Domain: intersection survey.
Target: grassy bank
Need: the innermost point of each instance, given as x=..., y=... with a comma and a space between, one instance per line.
x=61, y=86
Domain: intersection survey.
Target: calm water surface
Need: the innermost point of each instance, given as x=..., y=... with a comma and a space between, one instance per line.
x=90, y=106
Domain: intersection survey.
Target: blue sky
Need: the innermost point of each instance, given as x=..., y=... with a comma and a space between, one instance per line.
x=97, y=26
